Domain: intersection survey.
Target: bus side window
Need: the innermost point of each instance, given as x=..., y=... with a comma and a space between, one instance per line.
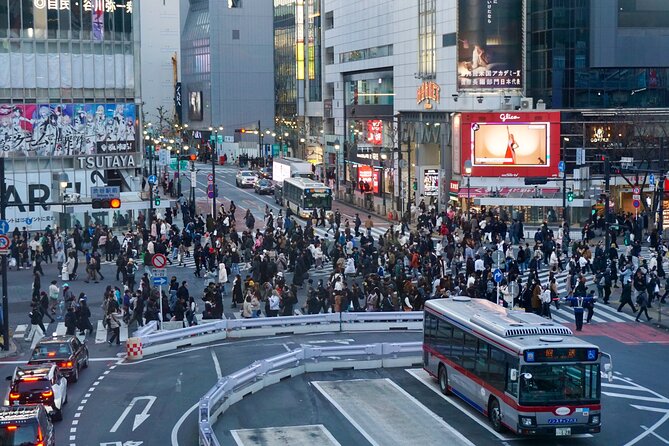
x=512, y=386
x=469, y=352
x=482, y=360
x=456, y=345
x=444, y=338
x=497, y=368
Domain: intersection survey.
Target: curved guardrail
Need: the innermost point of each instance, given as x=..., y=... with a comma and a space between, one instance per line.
x=232, y=388
x=217, y=330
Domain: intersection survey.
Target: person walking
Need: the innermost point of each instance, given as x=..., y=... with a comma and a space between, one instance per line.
x=589, y=304
x=546, y=302
x=642, y=301
x=70, y=322
x=114, y=324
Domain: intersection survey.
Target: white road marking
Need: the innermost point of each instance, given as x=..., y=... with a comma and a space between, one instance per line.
x=217, y=365
x=425, y=378
x=175, y=430
x=649, y=431
x=283, y=435
x=663, y=440
x=637, y=397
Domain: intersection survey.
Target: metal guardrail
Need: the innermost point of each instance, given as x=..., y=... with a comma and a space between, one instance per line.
x=146, y=329
x=255, y=377
x=212, y=331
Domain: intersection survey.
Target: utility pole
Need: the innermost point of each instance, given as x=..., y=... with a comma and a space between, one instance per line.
x=565, y=213
x=261, y=153
x=607, y=185
x=151, y=211
x=399, y=165
x=660, y=191
x=213, y=180
x=5, y=302
x=409, y=185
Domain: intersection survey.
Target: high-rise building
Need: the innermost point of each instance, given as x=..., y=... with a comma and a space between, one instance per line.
x=70, y=107
x=227, y=67
x=298, y=80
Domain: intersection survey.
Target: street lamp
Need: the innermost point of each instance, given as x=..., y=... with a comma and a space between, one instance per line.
x=565, y=213
x=468, y=174
x=337, y=146
x=213, y=172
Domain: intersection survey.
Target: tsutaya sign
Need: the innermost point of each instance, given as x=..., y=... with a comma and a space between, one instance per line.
x=109, y=6
x=106, y=161
x=427, y=92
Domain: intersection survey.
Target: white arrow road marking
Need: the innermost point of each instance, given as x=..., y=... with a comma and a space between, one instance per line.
x=139, y=418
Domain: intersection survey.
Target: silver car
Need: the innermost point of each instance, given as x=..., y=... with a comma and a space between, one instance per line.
x=246, y=178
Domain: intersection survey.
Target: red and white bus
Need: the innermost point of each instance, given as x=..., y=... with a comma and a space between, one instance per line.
x=525, y=373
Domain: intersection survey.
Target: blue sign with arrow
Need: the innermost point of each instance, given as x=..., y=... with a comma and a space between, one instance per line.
x=498, y=276
x=651, y=179
x=153, y=179
x=159, y=281
x=4, y=227
x=561, y=166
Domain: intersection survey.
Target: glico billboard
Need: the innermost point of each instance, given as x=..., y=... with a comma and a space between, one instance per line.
x=511, y=144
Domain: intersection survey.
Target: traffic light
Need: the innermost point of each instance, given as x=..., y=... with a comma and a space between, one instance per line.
x=106, y=203
x=570, y=196
x=156, y=201
x=193, y=157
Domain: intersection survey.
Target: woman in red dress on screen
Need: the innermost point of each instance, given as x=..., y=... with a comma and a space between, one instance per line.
x=511, y=146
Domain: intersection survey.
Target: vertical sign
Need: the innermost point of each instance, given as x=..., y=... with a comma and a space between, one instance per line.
x=178, y=102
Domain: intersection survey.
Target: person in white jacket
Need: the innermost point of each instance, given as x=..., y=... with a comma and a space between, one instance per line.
x=546, y=302
x=222, y=273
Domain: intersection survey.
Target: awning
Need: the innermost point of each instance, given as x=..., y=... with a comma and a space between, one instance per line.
x=509, y=192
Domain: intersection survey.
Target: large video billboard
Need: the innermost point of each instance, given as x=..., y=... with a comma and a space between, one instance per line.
x=490, y=50
x=28, y=130
x=518, y=144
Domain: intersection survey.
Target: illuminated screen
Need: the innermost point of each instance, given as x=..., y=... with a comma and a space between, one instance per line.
x=503, y=144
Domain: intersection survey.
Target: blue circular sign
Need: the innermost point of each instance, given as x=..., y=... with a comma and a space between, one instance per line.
x=153, y=179
x=498, y=276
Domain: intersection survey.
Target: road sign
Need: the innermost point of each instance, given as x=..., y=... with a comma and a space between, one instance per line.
x=636, y=197
x=210, y=194
x=636, y=191
x=193, y=178
x=210, y=177
x=651, y=179
x=4, y=227
x=497, y=257
x=105, y=192
x=636, y=203
x=561, y=166
x=159, y=281
x=4, y=244
x=155, y=272
x=498, y=276
x=153, y=179
x=158, y=261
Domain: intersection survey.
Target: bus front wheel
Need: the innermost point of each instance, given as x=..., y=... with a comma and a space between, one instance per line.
x=443, y=380
x=495, y=415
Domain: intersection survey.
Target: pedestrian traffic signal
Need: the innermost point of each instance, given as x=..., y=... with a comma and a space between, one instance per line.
x=193, y=157
x=570, y=196
x=156, y=201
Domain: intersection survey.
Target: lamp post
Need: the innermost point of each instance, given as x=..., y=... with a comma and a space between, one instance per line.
x=337, y=146
x=285, y=137
x=213, y=172
x=468, y=173
x=565, y=212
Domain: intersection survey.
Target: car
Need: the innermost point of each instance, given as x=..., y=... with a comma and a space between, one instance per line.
x=246, y=178
x=67, y=351
x=265, y=172
x=39, y=384
x=264, y=186
x=26, y=426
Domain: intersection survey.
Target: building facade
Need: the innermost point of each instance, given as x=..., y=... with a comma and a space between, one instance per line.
x=160, y=57
x=227, y=67
x=298, y=81
x=70, y=107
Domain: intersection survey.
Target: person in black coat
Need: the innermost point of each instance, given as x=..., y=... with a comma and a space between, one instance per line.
x=300, y=270
x=237, y=294
x=70, y=321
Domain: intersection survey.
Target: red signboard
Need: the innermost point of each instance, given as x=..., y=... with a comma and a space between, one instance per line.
x=455, y=187
x=375, y=132
x=511, y=144
x=368, y=179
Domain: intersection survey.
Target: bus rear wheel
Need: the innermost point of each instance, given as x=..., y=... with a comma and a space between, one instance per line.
x=443, y=380
x=495, y=415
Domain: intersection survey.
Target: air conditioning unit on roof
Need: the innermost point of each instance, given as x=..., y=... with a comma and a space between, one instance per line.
x=526, y=103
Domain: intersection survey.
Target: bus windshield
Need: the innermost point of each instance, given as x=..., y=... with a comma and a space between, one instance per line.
x=546, y=384
x=318, y=200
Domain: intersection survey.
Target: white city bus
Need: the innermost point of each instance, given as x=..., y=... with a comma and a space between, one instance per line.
x=525, y=373
x=302, y=196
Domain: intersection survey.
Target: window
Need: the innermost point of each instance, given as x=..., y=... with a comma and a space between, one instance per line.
x=481, y=367
x=555, y=384
x=456, y=345
x=366, y=53
x=329, y=20
x=444, y=338
x=449, y=39
x=234, y=3
x=329, y=55
x=430, y=328
x=235, y=34
x=469, y=353
x=426, y=39
x=497, y=368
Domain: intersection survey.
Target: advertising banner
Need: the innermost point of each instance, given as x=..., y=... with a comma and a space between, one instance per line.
x=490, y=44
x=431, y=182
x=511, y=144
x=28, y=130
x=195, y=106
x=368, y=179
